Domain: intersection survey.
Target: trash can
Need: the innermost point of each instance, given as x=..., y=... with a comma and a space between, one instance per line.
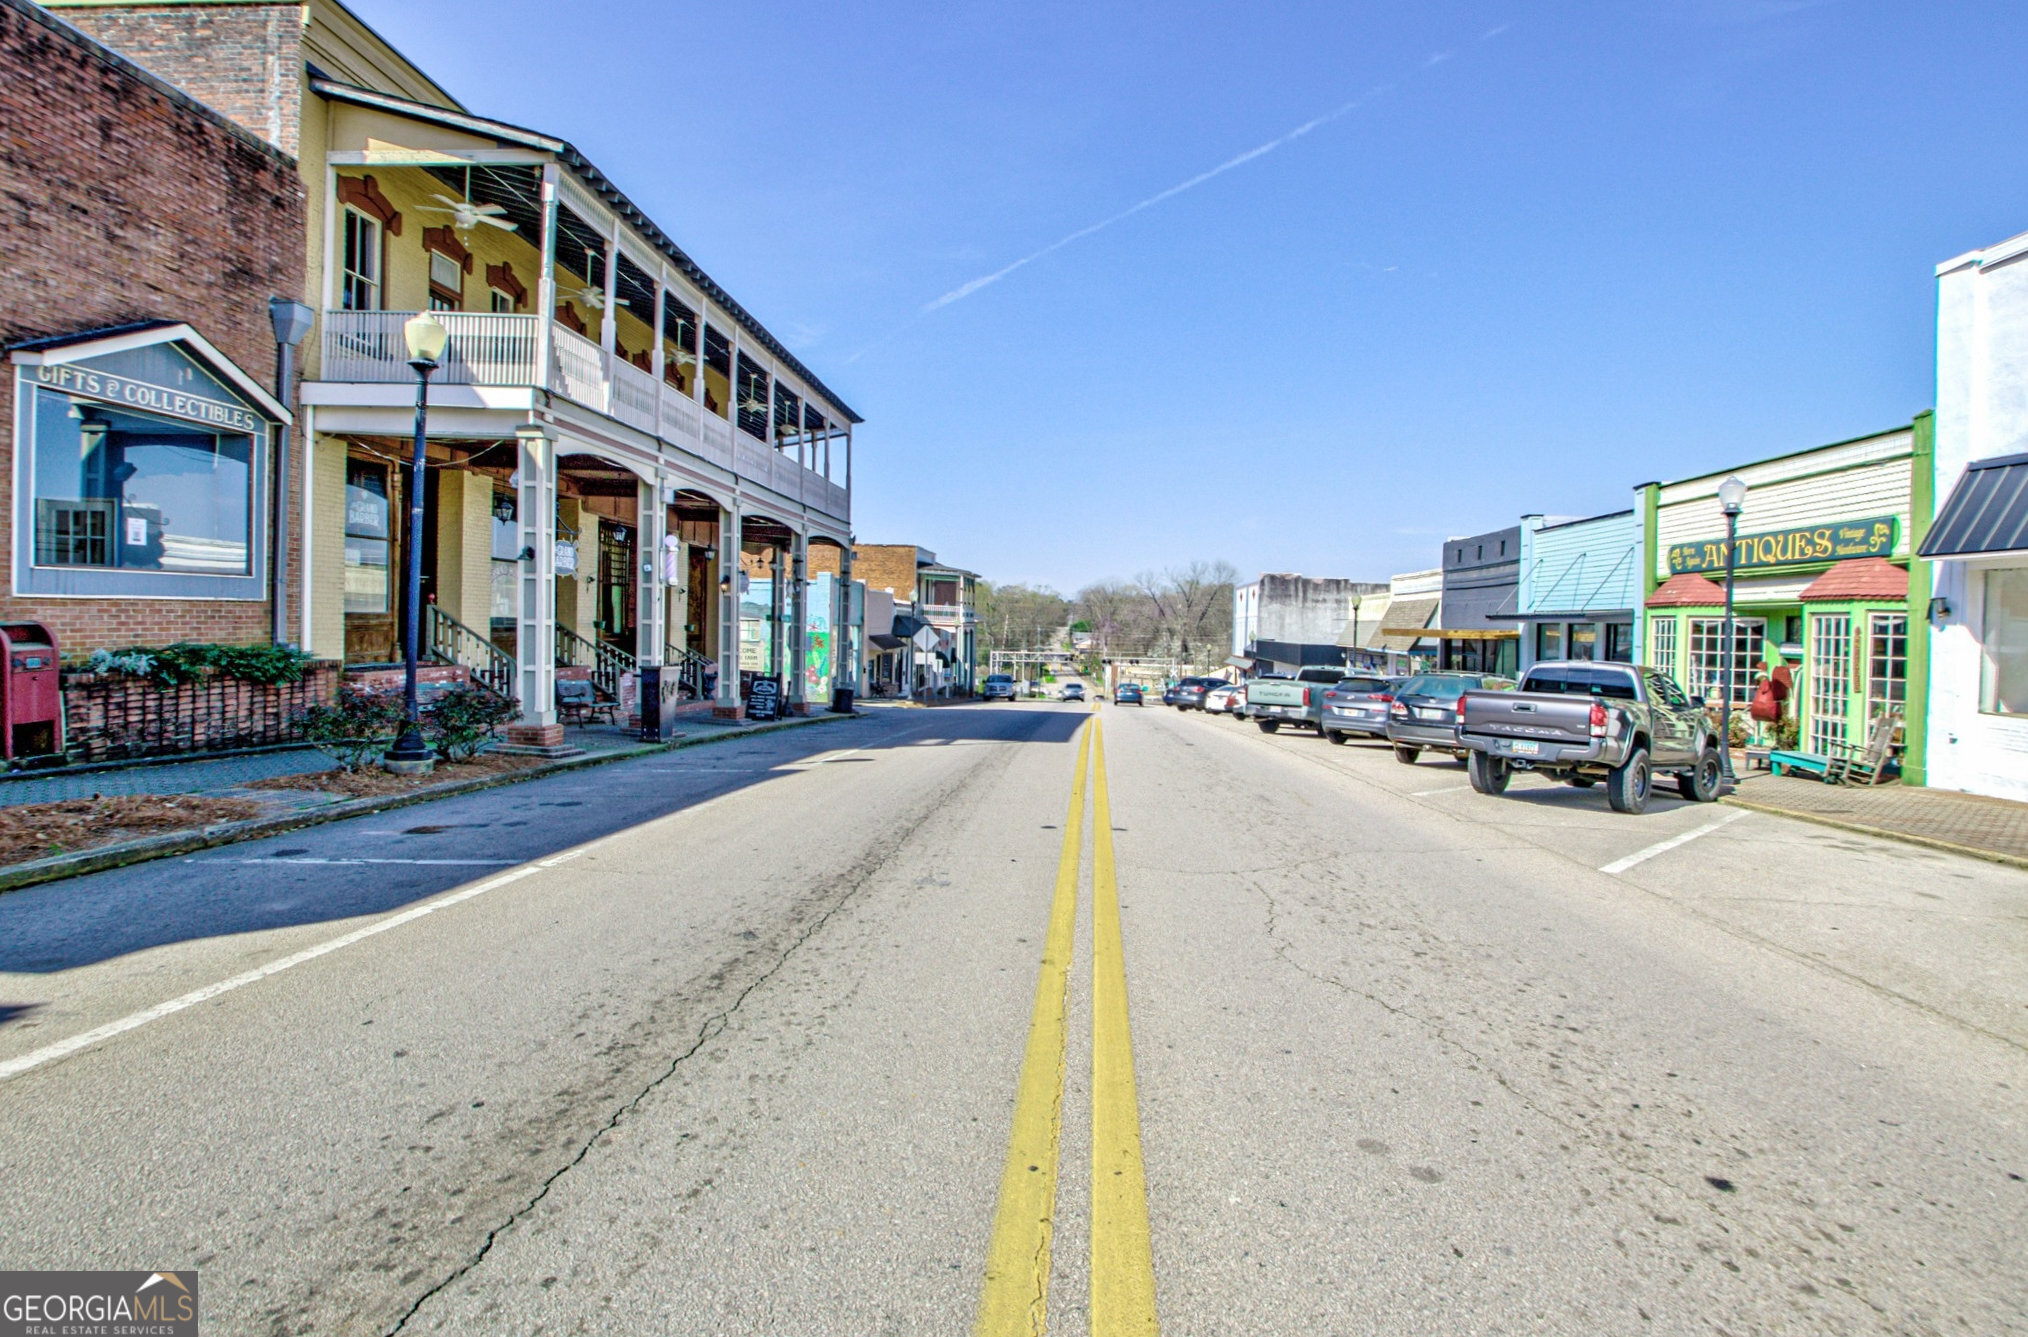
x=31, y=691
x=841, y=700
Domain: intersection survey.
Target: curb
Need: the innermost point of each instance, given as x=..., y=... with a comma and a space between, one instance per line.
x=60, y=866
x=1883, y=833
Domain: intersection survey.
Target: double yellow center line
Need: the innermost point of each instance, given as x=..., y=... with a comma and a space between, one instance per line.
x=1015, y=1301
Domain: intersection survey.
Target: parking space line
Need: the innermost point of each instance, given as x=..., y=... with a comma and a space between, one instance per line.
x=1619, y=866
x=1447, y=789
x=1014, y=1301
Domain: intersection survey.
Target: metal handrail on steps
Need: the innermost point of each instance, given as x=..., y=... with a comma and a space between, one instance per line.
x=452, y=642
x=693, y=670
x=607, y=662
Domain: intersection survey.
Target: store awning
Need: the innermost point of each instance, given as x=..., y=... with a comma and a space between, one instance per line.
x=1859, y=580
x=1474, y=633
x=1986, y=512
x=1687, y=589
x=1407, y=621
x=886, y=642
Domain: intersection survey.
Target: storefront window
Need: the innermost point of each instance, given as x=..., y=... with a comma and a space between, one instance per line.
x=1549, y=640
x=136, y=492
x=1620, y=641
x=367, y=515
x=1707, y=657
x=1662, y=645
x=1830, y=678
x=2003, y=688
x=1584, y=640
x=1886, y=663
x=360, y=290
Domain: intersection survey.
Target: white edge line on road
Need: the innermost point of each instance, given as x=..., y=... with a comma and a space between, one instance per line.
x=1618, y=866
x=1447, y=789
x=14, y=1067
x=425, y=863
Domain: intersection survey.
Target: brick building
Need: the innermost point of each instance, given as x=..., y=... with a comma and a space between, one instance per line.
x=145, y=234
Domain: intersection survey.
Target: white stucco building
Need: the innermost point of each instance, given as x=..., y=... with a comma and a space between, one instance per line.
x=1977, y=736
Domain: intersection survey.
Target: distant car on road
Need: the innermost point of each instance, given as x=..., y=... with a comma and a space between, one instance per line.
x=998, y=687
x=1358, y=705
x=1190, y=692
x=1223, y=699
x=1127, y=694
x=1424, y=713
x=1035, y=687
x=1072, y=691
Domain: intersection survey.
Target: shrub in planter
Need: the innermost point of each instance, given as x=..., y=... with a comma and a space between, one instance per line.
x=186, y=661
x=356, y=730
x=462, y=720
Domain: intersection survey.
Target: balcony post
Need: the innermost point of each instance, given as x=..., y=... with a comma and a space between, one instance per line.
x=799, y=619
x=545, y=284
x=609, y=323
x=778, y=589
x=535, y=631
x=650, y=619
x=657, y=357
x=729, y=541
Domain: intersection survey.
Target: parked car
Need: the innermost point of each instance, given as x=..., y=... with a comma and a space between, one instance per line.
x=1190, y=692
x=1581, y=722
x=997, y=687
x=1035, y=687
x=1424, y=713
x=1273, y=702
x=1223, y=699
x=1169, y=694
x=1127, y=694
x=1072, y=691
x=1358, y=705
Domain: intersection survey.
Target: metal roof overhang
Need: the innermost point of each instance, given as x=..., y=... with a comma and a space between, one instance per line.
x=1986, y=512
x=600, y=185
x=1578, y=615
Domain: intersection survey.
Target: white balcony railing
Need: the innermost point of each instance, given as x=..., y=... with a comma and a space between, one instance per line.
x=485, y=349
x=489, y=349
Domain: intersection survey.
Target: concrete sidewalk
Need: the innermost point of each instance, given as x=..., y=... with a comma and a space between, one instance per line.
x=1989, y=828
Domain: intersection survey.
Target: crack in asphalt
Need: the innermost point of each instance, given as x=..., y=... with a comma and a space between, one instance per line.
x=858, y=878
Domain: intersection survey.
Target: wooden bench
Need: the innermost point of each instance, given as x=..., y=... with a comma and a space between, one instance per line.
x=577, y=702
x=1869, y=763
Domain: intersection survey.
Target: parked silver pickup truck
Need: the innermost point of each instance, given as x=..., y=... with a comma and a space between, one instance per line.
x=1582, y=722
x=1273, y=702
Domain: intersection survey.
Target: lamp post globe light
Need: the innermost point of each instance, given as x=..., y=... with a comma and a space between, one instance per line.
x=1732, y=500
x=426, y=338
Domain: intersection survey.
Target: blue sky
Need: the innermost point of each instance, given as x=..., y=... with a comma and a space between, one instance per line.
x=1553, y=250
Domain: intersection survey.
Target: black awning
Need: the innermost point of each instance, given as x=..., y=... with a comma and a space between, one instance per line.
x=1986, y=512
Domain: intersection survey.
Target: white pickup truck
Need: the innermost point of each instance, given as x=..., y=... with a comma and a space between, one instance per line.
x=1273, y=702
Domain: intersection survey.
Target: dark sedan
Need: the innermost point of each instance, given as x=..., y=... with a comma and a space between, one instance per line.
x=1424, y=712
x=1127, y=694
x=1358, y=705
x=1190, y=692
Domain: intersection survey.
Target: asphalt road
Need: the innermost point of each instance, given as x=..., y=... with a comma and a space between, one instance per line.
x=732, y=1040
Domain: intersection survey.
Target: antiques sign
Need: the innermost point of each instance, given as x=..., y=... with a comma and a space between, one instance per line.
x=1791, y=547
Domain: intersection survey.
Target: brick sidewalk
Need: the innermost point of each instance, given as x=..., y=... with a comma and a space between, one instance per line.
x=1993, y=827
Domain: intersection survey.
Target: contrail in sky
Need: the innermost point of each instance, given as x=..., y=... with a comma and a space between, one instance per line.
x=960, y=293
x=964, y=290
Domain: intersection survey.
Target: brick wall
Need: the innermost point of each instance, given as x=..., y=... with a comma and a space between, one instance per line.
x=243, y=60
x=886, y=566
x=122, y=200
x=111, y=716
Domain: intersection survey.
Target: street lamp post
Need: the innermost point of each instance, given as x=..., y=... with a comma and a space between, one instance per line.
x=426, y=338
x=291, y=320
x=1732, y=499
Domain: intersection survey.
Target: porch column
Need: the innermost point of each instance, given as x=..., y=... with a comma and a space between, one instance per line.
x=545, y=281
x=778, y=589
x=729, y=540
x=535, y=632
x=799, y=620
x=850, y=640
x=650, y=616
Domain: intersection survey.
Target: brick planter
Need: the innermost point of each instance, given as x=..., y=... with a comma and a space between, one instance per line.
x=111, y=716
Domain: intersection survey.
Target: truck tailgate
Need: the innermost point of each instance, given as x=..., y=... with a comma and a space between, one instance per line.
x=1549, y=716
x=1294, y=694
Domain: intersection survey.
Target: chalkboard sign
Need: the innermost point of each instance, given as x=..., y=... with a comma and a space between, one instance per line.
x=764, y=700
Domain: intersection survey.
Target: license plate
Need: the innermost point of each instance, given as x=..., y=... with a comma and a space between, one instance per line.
x=1527, y=748
x=1426, y=713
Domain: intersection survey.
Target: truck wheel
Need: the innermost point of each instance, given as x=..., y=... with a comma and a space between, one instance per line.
x=1489, y=773
x=1336, y=735
x=1700, y=783
x=1406, y=755
x=1269, y=726
x=1628, y=784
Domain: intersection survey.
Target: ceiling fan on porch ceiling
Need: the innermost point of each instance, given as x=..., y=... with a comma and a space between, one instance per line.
x=466, y=215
